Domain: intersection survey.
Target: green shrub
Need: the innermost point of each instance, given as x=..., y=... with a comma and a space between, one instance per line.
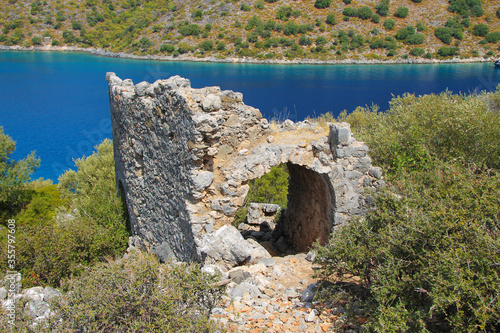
x=190, y=30
x=420, y=26
x=427, y=251
x=145, y=43
x=378, y=44
x=75, y=25
x=417, y=52
x=290, y=28
x=252, y=37
x=350, y=12
x=92, y=224
x=221, y=46
x=254, y=22
x=137, y=294
x=13, y=178
x=259, y=4
x=415, y=39
x=452, y=23
x=444, y=34
x=331, y=19
x=446, y=51
x=402, y=12
x=321, y=40
x=382, y=8
x=389, y=24
x=36, y=40
x=480, y=30
x=365, y=13
x=375, y=18
x=466, y=22
x=245, y=7
x=206, y=45
x=322, y=3
x=197, y=14
x=405, y=32
x=466, y=7
x=493, y=37
x=167, y=48
x=284, y=13
x=347, y=2
x=304, y=40
x=498, y=12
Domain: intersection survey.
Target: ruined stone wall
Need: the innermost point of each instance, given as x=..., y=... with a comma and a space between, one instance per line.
x=184, y=157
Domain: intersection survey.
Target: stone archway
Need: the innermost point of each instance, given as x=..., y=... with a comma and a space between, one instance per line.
x=185, y=157
x=310, y=214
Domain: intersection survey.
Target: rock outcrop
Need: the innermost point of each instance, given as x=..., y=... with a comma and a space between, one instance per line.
x=184, y=157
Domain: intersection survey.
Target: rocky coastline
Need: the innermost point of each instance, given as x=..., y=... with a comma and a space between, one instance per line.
x=213, y=59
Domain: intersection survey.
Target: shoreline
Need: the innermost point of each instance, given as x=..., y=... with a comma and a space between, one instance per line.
x=233, y=60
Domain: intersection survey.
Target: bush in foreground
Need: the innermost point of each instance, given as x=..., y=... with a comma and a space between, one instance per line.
x=137, y=294
x=90, y=225
x=427, y=253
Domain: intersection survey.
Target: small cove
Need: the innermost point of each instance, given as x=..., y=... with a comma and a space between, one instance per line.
x=57, y=103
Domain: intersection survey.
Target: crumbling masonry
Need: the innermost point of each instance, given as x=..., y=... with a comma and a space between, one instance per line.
x=184, y=157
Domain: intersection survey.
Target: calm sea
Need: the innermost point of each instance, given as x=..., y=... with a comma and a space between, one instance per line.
x=57, y=103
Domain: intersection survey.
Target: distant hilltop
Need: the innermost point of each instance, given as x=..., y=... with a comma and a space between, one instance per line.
x=255, y=30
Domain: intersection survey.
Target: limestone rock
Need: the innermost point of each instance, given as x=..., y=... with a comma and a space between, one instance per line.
x=228, y=246
x=239, y=275
x=258, y=251
x=259, y=213
x=375, y=172
x=202, y=180
x=240, y=290
x=140, y=88
x=211, y=102
x=309, y=293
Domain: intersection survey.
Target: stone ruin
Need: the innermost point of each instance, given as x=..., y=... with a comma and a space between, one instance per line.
x=184, y=158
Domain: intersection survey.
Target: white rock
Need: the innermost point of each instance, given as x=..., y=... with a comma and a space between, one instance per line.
x=211, y=103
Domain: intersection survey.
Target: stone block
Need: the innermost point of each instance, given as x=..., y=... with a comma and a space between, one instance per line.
x=211, y=103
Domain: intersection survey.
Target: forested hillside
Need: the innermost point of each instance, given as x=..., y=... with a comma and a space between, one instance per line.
x=270, y=29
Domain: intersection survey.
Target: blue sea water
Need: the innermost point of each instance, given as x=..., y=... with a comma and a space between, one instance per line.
x=56, y=103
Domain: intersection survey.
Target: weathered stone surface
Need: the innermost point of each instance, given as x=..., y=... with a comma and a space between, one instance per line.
x=309, y=293
x=184, y=157
x=375, y=172
x=239, y=275
x=203, y=180
x=259, y=213
x=240, y=290
x=228, y=246
x=211, y=102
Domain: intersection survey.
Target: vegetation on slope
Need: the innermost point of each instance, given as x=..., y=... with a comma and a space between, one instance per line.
x=62, y=228
x=67, y=236
x=280, y=30
x=137, y=294
x=427, y=254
